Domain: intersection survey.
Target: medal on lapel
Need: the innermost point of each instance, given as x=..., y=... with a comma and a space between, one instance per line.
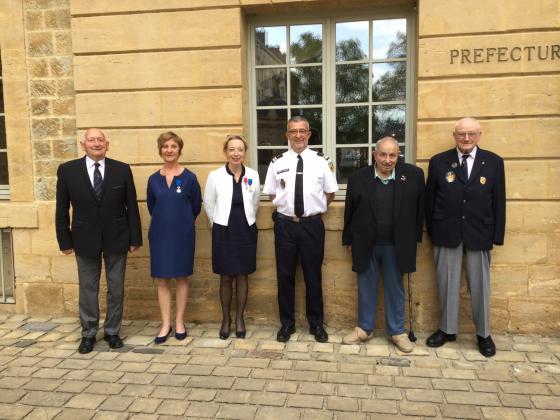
x=482, y=180
x=454, y=165
x=178, y=183
x=248, y=182
x=450, y=176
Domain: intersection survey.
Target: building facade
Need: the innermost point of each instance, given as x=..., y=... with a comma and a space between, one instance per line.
x=358, y=69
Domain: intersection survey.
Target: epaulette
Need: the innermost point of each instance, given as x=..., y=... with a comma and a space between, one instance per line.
x=328, y=159
x=274, y=159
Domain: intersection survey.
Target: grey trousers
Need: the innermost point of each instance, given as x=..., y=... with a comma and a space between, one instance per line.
x=89, y=272
x=448, y=267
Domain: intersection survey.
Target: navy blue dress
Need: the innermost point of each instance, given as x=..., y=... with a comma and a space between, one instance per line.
x=234, y=247
x=172, y=234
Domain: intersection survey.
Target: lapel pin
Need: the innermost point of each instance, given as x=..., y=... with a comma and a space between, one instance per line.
x=450, y=176
x=454, y=165
x=403, y=178
x=483, y=180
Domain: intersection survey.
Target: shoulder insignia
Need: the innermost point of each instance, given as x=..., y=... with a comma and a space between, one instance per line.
x=274, y=159
x=320, y=154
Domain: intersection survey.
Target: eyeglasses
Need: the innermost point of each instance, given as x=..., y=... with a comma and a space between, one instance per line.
x=301, y=132
x=464, y=134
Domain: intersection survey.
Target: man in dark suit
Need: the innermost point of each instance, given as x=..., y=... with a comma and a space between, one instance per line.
x=465, y=216
x=105, y=222
x=383, y=221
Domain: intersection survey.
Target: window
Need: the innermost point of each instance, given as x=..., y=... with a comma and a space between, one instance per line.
x=351, y=77
x=4, y=190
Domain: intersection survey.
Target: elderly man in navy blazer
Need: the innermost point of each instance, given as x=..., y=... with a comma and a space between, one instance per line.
x=465, y=217
x=105, y=223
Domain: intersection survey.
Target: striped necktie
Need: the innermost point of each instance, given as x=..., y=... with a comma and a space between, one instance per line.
x=97, y=181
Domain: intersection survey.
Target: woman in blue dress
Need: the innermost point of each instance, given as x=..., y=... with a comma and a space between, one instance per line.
x=231, y=201
x=174, y=202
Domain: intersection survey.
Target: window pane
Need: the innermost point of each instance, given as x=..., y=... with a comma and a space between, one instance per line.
x=306, y=44
x=389, y=81
x=264, y=158
x=1, y=96
x=352, y=41
x=2, y=132
x=348, y=159
x=351, y=83
x=389, y=38
x=3, y=168
x=271, y=127
x=388, y=120
x=315, y=118
x=270, y=45
x=352, y=125
x=306, y=85
x=271, y=87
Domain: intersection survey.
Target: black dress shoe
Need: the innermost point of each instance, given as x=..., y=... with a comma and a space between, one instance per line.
x=284, y=333
x=240, y=334
x=114, y=341
x=86, y=345
x=320, y=334
x=224, y=334
x=486, y=346
x=439, y=338
x=181, y=336
x=160, y=339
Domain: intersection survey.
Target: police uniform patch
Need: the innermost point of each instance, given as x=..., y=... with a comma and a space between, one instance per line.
x=275, y=158
x=328, y=159
x=283, y=183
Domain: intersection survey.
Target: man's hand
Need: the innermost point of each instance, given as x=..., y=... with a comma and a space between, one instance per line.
x=133, y=248
x=67, y=251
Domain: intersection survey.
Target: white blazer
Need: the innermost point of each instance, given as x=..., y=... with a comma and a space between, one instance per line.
x=219, y=190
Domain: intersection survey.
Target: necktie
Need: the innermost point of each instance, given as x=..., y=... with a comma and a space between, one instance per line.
x=465, y=167
x=298, y=201
x=97, y=181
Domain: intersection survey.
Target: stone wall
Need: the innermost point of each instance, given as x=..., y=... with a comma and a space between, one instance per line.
x=138, y=68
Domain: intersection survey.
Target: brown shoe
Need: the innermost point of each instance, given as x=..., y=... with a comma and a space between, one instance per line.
x=402, y=342
x=357, y=336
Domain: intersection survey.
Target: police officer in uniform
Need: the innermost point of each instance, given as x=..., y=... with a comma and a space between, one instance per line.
x=301, y=183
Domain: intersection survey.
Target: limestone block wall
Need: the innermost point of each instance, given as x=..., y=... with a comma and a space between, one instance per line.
x=138, y=68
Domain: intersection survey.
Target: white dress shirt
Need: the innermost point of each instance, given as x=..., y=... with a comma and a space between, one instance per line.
x=318, y=180
x=470, y=159
x=219, y=191
x=90, y=165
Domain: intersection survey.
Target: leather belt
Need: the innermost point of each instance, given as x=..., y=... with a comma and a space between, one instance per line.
x=298, y=219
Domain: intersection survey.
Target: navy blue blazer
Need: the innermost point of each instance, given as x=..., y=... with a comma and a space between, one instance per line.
x=110, y=224
x=472, y=212
x=408, y=216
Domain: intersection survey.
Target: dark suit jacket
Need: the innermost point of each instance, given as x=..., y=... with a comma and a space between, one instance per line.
x=472, y=212
x=110, y=224
x=359, y=215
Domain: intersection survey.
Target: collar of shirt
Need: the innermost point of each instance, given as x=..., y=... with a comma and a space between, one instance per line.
x=294, y=154
x=384, y=181
x=471, y=154
x=90, y=163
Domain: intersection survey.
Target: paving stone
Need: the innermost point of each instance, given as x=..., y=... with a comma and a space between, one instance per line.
x=477, y=398
x=458, y=374
x=503, y=375
x=11, y=411
x=144, y=405
x=535, y=377
x=345, y=378
x=233, y=397
x=104, y=365
x=160, y=367
x=515, y=400
x=316, y=389
x=277, y=399
x=424, y=395
x=524, y=389
x=451, y=384
x=412, y=382
x=105, y=388
x=349, y=349
x=138, y=390
x=353, y=391
x=202, y=409
x=282, y=386
x=527, y=347
x=316, y=366
x=298, y=347
x=460, y=411
x=13, y=383
x=244, y=362
x=105, y=376
x=249, y=384
x=322, y=347
x=208, y=360
x=245, y=344
x=277, y=413
x=536, y=414
x=431, y=363
x=379, y=406
x=273, y=345
x=305, y=401
x=484, y=386
x=195, y=370
x=173, y=407
x=380, y=380
x=211, y=382
x=416, y=351
x=42, y=413
x=170, y=380
x=473, y=356
x=546, y=402
x=202, y=394
x=86, y=401
x=137, y=378
x=343, y=404
x=386, y=393
x=356, y=368
x=48, y=399
x=447, y=353
x=418, y=409
x=422, y=372
x=116, y=403
x=377, y=350
x=310, y=414
x=42, y=384
x=240, y=372
x=11, y=396
x=501, y=413
x=267, y=374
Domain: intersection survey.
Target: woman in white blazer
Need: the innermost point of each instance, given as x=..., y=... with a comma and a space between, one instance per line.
x=231, y=201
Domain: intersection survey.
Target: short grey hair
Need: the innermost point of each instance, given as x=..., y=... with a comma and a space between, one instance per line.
x=297, y=118
x=384, y=139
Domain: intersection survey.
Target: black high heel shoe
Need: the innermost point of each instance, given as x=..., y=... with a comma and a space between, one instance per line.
x=240, y=333
x=181, y=336
x=162, y=339
x=224, y=334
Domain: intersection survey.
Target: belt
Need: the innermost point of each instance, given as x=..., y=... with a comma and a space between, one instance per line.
x=296, y=219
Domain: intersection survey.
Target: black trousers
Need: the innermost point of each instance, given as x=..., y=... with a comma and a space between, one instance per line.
x=89, y=272
x=304, y=241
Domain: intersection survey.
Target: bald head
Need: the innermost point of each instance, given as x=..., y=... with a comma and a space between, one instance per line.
x=95, y=144
x=467, y=134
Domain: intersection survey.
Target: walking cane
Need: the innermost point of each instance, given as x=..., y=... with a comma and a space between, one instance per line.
x=411, y=335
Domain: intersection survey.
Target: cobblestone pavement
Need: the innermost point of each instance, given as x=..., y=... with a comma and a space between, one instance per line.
x=42, y=376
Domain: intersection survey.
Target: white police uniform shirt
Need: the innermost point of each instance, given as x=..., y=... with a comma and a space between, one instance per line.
x=318, y=180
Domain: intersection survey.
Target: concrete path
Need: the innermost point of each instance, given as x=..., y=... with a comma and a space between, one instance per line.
x=42, y=376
